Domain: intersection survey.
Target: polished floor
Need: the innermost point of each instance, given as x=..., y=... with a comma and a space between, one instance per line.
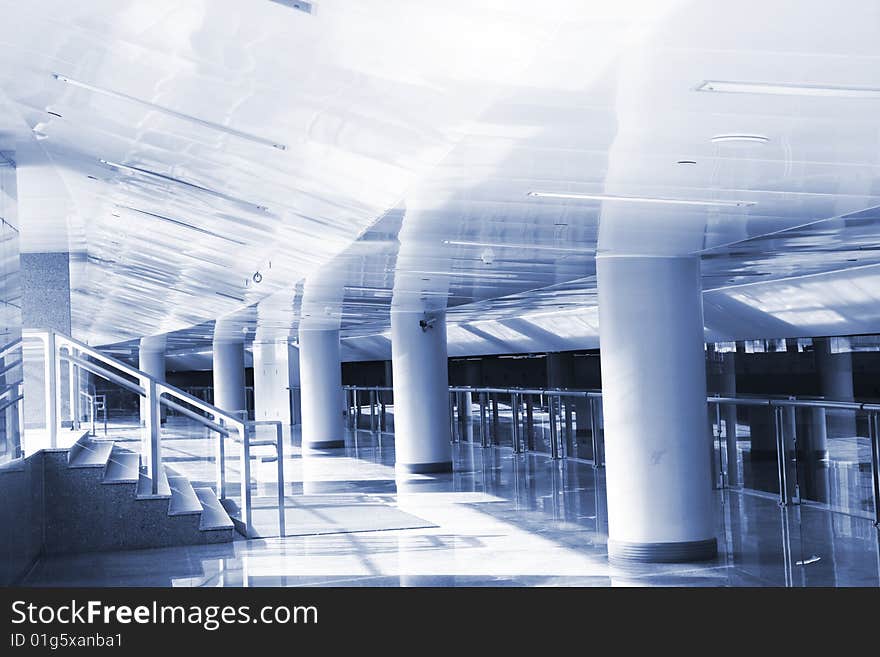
x=500, y=519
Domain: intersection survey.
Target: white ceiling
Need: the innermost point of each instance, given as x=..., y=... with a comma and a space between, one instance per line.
x=413, y=134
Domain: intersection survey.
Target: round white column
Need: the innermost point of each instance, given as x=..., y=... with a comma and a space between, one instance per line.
x=421, y=392
x=657, y=449
x=229, y=380
x=320, y=372
x=151, y=356
x=151, y=359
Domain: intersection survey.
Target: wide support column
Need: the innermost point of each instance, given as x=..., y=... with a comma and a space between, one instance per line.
x=320, y=371
x=836, y=383
x=276, y=381
x=229, y=379
x=657, y=451
x=421, y=392
x=151, y=359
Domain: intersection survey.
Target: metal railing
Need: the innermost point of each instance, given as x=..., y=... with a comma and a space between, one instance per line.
x=97, y=404
x=11, y=401
x=561, y=404
x=59, y=348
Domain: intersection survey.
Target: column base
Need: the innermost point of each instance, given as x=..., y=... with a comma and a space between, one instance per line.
x=677, y=552
x=324, y=444
x=424, y=468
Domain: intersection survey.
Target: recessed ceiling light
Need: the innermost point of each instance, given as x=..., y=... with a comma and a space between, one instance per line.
x=755, y=139
x=829, y=91
x=170, y=112
x=643, y=199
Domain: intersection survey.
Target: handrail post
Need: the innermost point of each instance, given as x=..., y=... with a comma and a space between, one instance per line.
x=220, y=462
x=569, y=427
x=781, y=465
x=530, y=423
x=246, y=477
x=495, y=418
x=874, y=433
x=71, y=393
x=484, y=427
x=279, y=450
x=594, y=431
x=721, y=471
x=53, y=395
x=452, y=428
x=515, y=420
x=551, y=416
x=152, y=433
x=373, y=411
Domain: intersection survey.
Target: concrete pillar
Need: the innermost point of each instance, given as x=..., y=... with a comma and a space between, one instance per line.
x=45, y=304
x=151, y=359
x=276, y=381
x=229, y=379
x=835, y=382
x=657, y=451
x=421, y=392
x=321, y=389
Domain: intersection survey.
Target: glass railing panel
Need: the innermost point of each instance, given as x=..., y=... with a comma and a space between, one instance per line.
x=834, y=460
x=756, y=447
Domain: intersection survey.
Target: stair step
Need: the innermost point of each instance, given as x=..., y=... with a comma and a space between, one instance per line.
x=122, y=467
x=264, y=441
x=145, y=490
x=214, y=516
x=89, y=454
x=184, y=501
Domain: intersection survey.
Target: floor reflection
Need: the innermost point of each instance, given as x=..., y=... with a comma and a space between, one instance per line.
x=500, y=519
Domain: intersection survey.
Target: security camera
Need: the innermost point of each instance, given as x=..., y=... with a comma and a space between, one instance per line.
x=425, y=324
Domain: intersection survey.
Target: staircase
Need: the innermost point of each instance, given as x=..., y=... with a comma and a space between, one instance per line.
x=97, y=498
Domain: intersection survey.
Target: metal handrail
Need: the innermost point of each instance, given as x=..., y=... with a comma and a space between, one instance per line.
x=10, y=402
x=775, y=406
x=60, y=347
x=6, y=349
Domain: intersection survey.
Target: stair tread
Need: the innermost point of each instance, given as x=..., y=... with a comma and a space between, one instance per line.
x=90, y=454
x=144, y=490
x=264, y=441
x=123, y=467
x=214, y=516
x=184, y=500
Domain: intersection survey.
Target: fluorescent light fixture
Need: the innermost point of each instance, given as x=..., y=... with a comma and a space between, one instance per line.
x=170, y=112
x=754, y=139
x=384, y=291
x=178, y=181
x=465, y=274
x=644, y=199
x=229, y=296
x=503, y=245
x=817, y=90
x=183, y=224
